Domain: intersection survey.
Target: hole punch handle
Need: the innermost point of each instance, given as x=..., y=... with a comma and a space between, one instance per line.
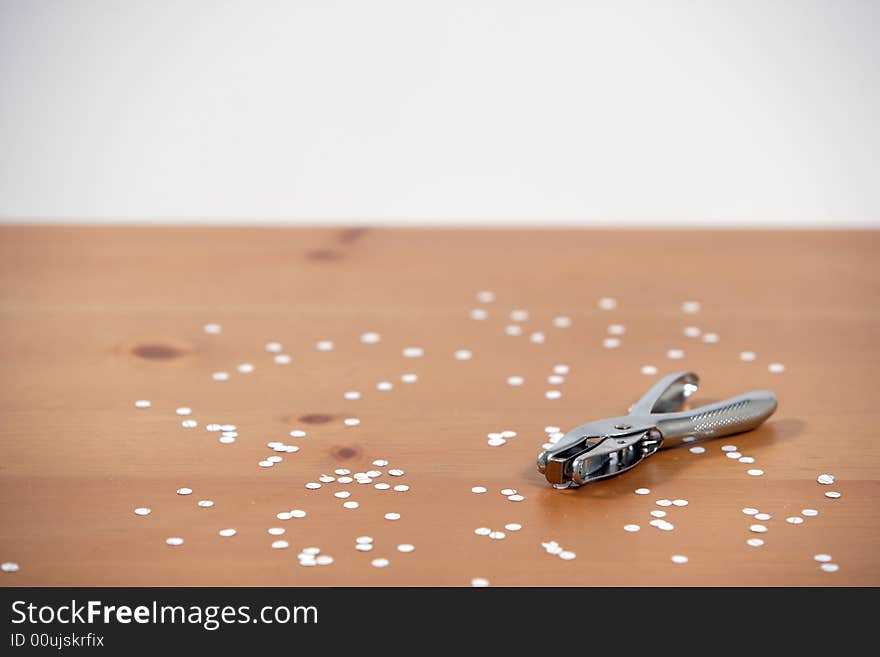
x=667, y=395
x=734, y=415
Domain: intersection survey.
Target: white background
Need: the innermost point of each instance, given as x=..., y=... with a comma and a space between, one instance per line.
x=488, y=111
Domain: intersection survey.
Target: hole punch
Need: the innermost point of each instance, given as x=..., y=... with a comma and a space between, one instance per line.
x=602, y=449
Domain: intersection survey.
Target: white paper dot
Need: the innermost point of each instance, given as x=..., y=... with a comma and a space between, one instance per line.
x=380, y=563
x=763, y=516
x=183, y=410
x=515, y=380
x=142, y=403
x=370, y=337
x=833, y=494
x=513, y=526
x=282, y=359
x=401, y=488
x=406, y=547
x=485, y=296
x=142, y=511
x=409, y=378
x=227, y=532
x=649, y=370
x=746, y=459
x=567, y=555
x=822, y=558
x=189, y=424
x=463, y=354
x=675, y=354
x=755, y=472
x=711, y=338
x=750, y=511
x=482, y=531
x=351, y=504
x=657, y=513
x=384, y=385
x=664, y=502
x=513, y=329
x=679, y=558
x=273, y=347
x=829, y=567
x=392, y=516
x=174, y=540
x=561, y=321
x=755, y=542
x=794, y=520
x=478, y=489
x=479, y=582
x=479, y=314
x=631, y=528
x=413, y=352
x=276, y=531
x=246, y=368
x=611, y=343
x=515, y=498
x=697, y=450
x=220, y=376
x=690, y=307
x=351, y=421
x=825, y=479
x=776, y=368
x=519, y=315
x=680, y=502
x=184, y=491
x=538, y=337
x=352, y=394
x=642, y=491
x=213, y=328
x=607, y=303
x=265, y=464
x=553, y=394
x=692, y=331
x=758, y=529
x=280, y=545
x=747, y=356
x=324, y=345
x=205, y=504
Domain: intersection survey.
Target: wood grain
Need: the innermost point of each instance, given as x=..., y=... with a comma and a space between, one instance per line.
x=95, y=318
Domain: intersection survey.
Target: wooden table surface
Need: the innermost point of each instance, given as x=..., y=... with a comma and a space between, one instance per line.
x=96, y=318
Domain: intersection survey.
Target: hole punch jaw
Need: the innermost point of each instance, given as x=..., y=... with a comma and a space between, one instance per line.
x=597, y=450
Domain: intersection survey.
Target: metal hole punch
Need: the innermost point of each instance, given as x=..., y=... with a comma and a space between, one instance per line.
x=605, y=448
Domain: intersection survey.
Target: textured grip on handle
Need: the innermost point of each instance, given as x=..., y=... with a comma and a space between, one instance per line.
x=723, y=418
